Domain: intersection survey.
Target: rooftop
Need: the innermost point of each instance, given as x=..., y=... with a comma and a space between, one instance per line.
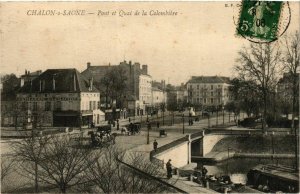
x=209, y=79
x=58, y=80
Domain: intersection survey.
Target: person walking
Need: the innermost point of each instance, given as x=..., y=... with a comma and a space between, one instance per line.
x=155, y=144
x=118, y=125
x=157, y=124
x=169, y=169
x=204, y=171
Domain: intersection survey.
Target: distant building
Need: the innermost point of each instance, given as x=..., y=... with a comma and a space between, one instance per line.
x=28, y=77
x=285, y=86
x=208, y=90
x=158, y=97
x=138, y=95
x=59, y=97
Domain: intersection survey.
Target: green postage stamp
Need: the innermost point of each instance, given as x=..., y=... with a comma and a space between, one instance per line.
x=259, y=19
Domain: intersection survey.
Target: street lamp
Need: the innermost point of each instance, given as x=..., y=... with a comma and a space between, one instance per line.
x=148, y=129
x=223, y=113
x=217, y=116
x=182, y=123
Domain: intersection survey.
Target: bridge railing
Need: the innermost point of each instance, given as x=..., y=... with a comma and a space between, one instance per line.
x=168, y=146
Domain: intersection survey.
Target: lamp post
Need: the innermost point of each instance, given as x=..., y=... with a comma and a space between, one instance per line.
x=217, y=117
x=148, y=129
x=223, y=113
x=163, y=114
x=182, y=123
x=208, y=123
x=227, y=160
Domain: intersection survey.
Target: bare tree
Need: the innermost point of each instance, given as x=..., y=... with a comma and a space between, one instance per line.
x=110, y=175
x=6, y=167
x=260, y=63
x=63, y=163
x=28, y=154
x=291, y=59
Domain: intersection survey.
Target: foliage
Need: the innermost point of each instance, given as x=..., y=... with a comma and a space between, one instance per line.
x=10, y=85
x=114, y=85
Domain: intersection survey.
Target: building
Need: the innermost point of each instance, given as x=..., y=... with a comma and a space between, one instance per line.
x=207, y=91
x=158, y=97
x=285, y=86
x=27, y=77
x=138, y=81
x=59, y=97
x=10, y=84
x=285, y=93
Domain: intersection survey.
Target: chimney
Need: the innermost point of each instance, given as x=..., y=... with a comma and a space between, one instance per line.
x=88, y=65
x=53, y=83
x=74, y=82
x=25, y=71
x=91, y=84
x=40, y=85
x=145, y=69
x=130, y=62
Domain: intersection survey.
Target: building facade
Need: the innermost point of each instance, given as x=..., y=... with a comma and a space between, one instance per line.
x=158, y=97
x=59, y=97
x=208, y=91
x=138, y=82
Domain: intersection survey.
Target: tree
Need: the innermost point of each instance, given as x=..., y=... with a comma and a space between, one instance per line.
x=110, y=175
x=260, y=63
x=115, y=84
x=28, y=153
x=63, y=163
x=6, y=167
x=10, y=86
x=291, y=60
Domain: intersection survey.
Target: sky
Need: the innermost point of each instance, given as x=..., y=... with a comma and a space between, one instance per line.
x=200, y=40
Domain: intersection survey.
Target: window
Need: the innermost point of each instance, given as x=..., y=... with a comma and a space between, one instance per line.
x=91, y=108
x=24, y=106
x=47, y=106
x=211, y=100
x=212, y=87
x=212, y=93
x=34, y=106
x=198, y=87
x=57, y=105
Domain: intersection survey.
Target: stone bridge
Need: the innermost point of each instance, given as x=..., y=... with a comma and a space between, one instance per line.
x=194, y=146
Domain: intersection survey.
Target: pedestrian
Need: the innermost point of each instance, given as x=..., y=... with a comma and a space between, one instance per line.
x=169, y=169
x=157, y=124
x=155, y=144
x=204, y=171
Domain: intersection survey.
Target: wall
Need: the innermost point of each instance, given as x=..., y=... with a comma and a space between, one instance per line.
x=209, y=141
x=179, y=155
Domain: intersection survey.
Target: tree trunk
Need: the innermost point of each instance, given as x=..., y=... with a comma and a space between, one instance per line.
x=294, y=92
x=265, y=111
x=36, y=178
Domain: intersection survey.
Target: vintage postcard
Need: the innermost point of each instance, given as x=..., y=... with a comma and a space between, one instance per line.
x=150, y=97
